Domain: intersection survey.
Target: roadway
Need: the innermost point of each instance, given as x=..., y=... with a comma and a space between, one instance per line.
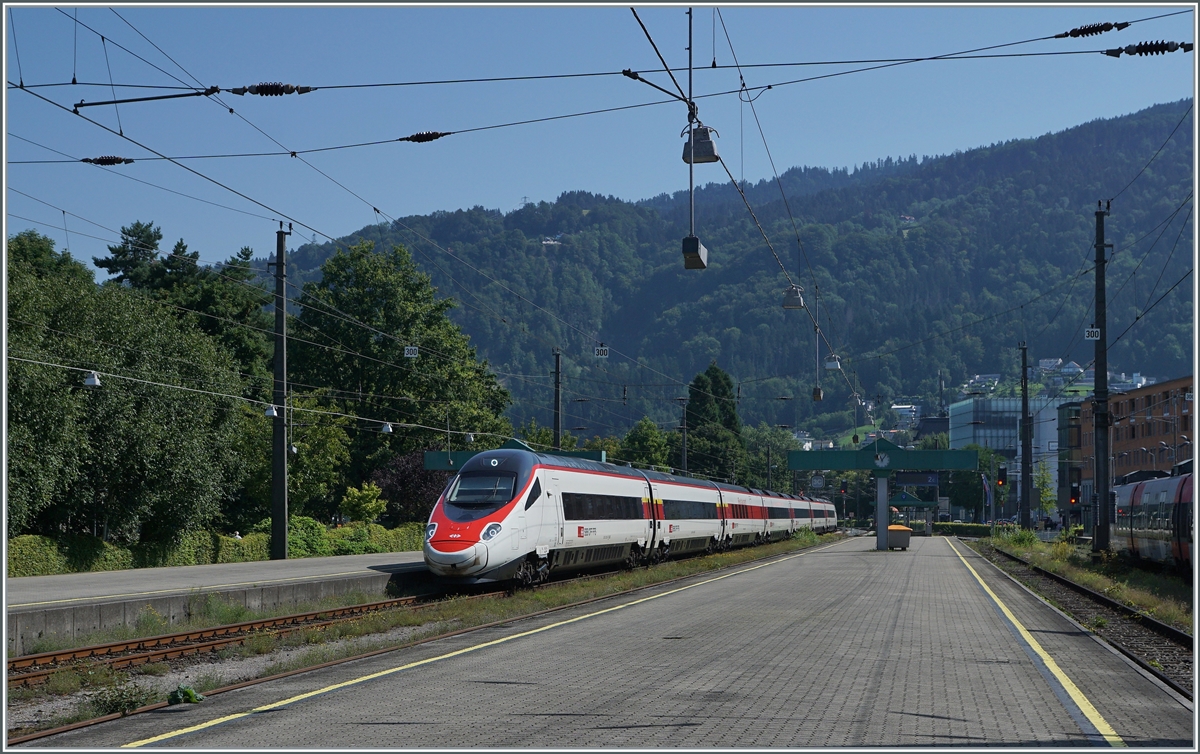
x=837, y=646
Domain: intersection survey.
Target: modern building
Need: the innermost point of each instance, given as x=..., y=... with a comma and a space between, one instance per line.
x=1152, y=434
x=995, y=423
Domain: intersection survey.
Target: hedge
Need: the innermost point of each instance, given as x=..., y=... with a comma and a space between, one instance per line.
x=35, y=555
x=963, y=530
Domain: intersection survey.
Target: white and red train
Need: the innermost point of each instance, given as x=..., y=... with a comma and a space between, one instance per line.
x=520, y=515
x=1154, y=520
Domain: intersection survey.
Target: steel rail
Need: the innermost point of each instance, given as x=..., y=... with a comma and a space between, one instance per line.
x=1182, y=638
x=504, y=621
x=129, y=653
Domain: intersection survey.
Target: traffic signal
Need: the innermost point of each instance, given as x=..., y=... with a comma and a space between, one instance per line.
x=1001, y=476
x=843, y=486
x=1074, y=494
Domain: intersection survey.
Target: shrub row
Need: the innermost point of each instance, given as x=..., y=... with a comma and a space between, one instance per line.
x=964, y=530
x=34, y=555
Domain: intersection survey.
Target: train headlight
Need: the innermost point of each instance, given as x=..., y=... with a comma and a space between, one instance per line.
x=429, y=530
x=490, y=532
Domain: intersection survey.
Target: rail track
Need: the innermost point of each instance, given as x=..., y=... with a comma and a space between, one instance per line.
x=98, y=652
x=1160, y=649
x=30, y=670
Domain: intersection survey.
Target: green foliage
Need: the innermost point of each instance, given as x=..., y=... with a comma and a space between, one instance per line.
x=646, y=445
x=385, y=291
x=542, y=438
x=306, y=538
x=1013, y=536
x=315, y=471
x=963, y=530
x=120, y=698
x=252, y=546
x=184, y=694
x=356, y=539
x=363, y=504
x=130, y=460
x=34, y=555
x=1045, y=496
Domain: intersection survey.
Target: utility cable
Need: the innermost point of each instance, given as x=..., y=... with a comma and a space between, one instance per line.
x=139, y=180
x=666, y=67
x=1191, y=103
x=16, y=48
x=104, y=44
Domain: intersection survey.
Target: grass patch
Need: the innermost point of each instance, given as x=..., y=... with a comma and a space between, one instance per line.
x=153, y=668
x=1163, y=596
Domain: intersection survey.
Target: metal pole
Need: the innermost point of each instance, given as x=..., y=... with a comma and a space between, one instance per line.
x=768, y=465
x=279, y=491
x=1104, y=511
x=683, y=425
x=1026, y=442
x=691, y=140
x=881, y=512
x=557, y=399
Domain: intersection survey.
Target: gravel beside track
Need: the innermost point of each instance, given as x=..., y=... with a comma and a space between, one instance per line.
x=1158, y=654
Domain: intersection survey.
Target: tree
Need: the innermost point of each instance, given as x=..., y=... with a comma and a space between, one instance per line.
x=363, y=504
x=315, y=470
x=646, y=445
x=541, y=439
x=359, y=318
x=715, y=446
x=1046, y=500
x=147, y=456
x=409, y=488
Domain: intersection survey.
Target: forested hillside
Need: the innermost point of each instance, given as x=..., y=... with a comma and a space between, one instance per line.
x=939, y=263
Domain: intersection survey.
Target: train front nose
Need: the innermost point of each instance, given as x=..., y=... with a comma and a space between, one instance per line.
x=453, y=559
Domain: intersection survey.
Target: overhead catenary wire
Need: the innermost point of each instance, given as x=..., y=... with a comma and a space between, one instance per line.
x=1191, y=103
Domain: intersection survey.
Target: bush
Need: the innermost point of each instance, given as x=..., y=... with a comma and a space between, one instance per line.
x=307, y=538
x=354, y=539
x=363, y=504
x=1015, y=537
x=962, y=530
x=253, y=546
x=196, y=548
x=35, y=555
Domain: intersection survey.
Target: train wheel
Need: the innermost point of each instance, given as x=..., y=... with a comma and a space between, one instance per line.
x=526, y=573
x=636, y=558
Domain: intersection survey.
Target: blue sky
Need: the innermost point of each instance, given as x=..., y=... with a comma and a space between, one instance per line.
x=924, y=108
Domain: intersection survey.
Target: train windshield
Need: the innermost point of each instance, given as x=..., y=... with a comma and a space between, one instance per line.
x=474, y=495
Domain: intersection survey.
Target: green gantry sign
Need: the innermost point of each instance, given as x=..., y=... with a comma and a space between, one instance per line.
x=883, y=458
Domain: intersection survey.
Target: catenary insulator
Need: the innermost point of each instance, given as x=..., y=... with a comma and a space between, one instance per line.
x=424, y=136
x=272, y=89
x=107, y=160
x=1090, y=30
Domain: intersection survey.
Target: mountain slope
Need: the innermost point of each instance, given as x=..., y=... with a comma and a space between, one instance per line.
x=921, y=265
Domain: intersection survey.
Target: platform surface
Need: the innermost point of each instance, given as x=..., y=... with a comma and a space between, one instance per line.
x=839, y=645
x=41, y=592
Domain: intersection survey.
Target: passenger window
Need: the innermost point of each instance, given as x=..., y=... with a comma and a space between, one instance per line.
x=533, y=494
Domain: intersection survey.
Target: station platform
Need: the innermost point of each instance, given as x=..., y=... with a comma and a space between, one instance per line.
x=77, y=604
x=839, y=645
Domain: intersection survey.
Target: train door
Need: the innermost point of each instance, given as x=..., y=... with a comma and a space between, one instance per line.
x=553, y=510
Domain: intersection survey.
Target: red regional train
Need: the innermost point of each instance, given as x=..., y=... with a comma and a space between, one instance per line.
x=519, y=515
x=1154, y=520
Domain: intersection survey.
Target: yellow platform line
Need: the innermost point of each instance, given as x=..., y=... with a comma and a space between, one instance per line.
x=456, y=653
x=1085, y=706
